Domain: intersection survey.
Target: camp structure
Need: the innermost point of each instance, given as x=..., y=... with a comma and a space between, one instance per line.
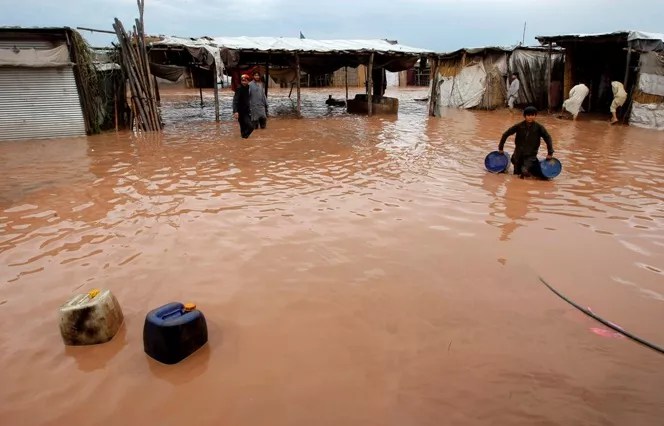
x=635, y=58
x=284, y=59
x=478, y=77
x=48, y=84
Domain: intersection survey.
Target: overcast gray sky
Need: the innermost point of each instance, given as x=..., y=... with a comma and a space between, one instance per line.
x=441, y=25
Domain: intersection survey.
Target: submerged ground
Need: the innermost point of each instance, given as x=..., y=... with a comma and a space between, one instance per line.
x=353, y=271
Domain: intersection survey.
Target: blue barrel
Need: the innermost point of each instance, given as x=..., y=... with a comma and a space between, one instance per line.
x=173, y=332
x=496, y=162
x=551, y=168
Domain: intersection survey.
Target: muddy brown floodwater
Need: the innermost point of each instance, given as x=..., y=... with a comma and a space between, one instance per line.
x=353, y=271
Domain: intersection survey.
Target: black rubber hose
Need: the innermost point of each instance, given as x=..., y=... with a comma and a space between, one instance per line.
x=603, y=321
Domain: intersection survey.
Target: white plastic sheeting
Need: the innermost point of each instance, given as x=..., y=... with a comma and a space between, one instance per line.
x=466, y=89
x=649, y=116
x=642, y=35
x=392, y=79
x=652, y=84
x=309, y=45
x=34, y=58
x=288, y=44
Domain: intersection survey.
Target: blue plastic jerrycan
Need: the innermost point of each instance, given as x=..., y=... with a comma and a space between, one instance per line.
x=173, y=332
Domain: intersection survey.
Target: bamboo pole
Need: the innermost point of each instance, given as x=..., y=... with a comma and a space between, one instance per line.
x=126, y=53
x=146, y=67
x=370, y=86
x=156, y=89
x=142, y=85
x=297, y=79
x=216, y=92
x=549, y=72
x=141, y=76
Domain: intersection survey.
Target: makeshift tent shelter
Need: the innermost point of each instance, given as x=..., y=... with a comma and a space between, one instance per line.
x=598, y=59
x=531, y=63
x=292, y=54
x=471, y=78
x=478, y=77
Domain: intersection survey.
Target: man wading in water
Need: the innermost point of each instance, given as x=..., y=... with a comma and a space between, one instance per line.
x=258, y=102
x=242, y=107
x=527, y=143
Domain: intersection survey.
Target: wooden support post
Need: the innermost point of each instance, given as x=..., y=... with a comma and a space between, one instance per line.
x=297, y=80
x=267, y=74
x=549, y=72
x=156, y=90
x=216, y=92
x=346, y=71
x=629, y=58
x=433, y=95
x=200, y=86
x=370, y=85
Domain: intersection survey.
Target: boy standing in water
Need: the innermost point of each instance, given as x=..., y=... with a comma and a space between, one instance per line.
x=527, y=143
x=242, y=107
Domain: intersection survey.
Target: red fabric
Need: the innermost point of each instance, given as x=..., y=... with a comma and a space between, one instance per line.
x=236, y=73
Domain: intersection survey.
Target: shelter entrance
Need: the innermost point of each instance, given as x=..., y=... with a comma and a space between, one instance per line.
x=597, y=65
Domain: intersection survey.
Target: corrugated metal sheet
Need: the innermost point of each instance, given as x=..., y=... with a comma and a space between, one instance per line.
x=26, y=44
x=37, y=103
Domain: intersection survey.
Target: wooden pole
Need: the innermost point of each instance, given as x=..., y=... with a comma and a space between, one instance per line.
x=146, y=67
x=370, y=86
x=136, y=89
x=216, y=92
x=433, y=96
x=629, y=58
x=267, y=74
x=156, y=89
x=297, y=80
x=115, y=107
x=200, y=86
x=346, y=70
x=549, y=72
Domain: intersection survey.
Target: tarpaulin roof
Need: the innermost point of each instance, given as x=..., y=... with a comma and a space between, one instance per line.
x=630, y=35
x=288, y=44
x=479, y=50
x=637, y=40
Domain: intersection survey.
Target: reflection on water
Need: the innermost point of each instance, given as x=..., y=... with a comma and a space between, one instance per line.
x=353, y=271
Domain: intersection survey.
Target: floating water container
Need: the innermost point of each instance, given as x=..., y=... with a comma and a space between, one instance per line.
x=496, y=162
x=173, y=332
x=91, y=318
x=551, y=168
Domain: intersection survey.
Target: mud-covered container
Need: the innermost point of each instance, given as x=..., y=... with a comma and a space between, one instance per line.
x=90, y=318
x=173, y=332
